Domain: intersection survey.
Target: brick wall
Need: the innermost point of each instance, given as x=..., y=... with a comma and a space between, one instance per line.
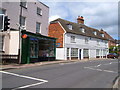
x=56, y=31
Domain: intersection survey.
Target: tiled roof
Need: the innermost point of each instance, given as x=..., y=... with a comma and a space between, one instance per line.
x=76, y=29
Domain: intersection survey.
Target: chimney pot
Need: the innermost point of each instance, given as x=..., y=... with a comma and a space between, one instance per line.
x=80, y=20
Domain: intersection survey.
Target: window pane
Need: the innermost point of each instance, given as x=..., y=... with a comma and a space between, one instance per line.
x=85, y=53
x=67, y=51
x=69, y=26
x=86, y=40
x=34, y=49
x=23, y=3
x=39, y=11
x=73, y=39
x=38, y=27
x=74, y=52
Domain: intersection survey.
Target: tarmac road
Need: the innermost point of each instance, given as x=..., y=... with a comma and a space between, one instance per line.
x=90, y=74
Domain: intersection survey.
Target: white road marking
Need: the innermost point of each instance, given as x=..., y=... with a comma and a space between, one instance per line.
x=98, y=65
x=24, y=76
x=41, y=81
x=92, y=67
x=26, y=86
x=109, y=71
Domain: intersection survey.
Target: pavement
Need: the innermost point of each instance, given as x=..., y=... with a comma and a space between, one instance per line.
x=76, y=74
x=18, y=66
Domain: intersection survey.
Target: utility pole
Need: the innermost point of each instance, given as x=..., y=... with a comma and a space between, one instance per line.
x=19, y=50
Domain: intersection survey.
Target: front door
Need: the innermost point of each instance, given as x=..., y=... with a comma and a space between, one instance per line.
x=80, y=54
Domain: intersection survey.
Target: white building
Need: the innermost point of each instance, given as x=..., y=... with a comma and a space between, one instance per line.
x=77, y=41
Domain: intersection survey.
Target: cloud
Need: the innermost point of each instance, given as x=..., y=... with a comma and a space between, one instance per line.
x=96, y=14
x=54, y=17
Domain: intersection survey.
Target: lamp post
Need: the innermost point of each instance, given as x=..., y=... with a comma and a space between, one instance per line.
x=19, y=49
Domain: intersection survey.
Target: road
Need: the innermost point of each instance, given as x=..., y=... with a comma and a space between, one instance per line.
x=90, y=74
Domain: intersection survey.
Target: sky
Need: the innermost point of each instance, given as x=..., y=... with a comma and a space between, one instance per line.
x=98, y=15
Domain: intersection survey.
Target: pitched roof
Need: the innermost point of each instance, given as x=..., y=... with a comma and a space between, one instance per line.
x=76, y=29
x=108, y=36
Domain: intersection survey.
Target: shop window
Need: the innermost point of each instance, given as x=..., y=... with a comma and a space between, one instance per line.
x=46, y=48
x=34, y=49
x=74, y=52
x=86, y=53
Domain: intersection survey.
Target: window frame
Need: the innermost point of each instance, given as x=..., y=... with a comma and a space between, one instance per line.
x=74, y=52
x=70, y=27
x=38, y=23
x=39, y=11
x=23, y=3
x=86, y=40
x=82, y=29
x=72, y=39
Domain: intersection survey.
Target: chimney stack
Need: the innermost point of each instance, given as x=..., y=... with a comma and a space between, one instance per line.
x=80, y=20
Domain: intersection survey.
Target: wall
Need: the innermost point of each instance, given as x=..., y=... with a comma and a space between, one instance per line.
x=60, y=53
x=14, y=42
x=13, y=11
x=56, y=31
x=80, y=42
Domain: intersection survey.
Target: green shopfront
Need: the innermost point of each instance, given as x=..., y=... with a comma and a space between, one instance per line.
x=36, y=48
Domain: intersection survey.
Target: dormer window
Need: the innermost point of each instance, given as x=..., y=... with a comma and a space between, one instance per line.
x=102, y=35
x=82, y=30
x=69, y=26
x=95, y=33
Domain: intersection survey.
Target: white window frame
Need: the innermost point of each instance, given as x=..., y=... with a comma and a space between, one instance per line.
x=23, y=4
x=38, y=31
x=69, y=26
x=98, y=42
x=86, y=40
x=74, y=52
x=95, y=33
x=72, y=39
x=39, y=11
x=82, y=29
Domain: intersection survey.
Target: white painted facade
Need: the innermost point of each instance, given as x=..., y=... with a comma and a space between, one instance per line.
x=92, y=46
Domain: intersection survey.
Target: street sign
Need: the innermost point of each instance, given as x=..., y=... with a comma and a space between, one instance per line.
x=1, y=22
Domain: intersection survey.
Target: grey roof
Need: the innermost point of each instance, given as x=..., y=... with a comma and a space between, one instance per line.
x=76, y=29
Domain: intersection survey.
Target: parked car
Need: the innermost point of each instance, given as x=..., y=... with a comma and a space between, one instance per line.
x=112, y=55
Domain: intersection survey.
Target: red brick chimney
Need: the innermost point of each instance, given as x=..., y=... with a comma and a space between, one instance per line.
x=80, y=20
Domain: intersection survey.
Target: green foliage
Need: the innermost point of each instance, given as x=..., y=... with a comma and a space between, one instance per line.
x=114, y=49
